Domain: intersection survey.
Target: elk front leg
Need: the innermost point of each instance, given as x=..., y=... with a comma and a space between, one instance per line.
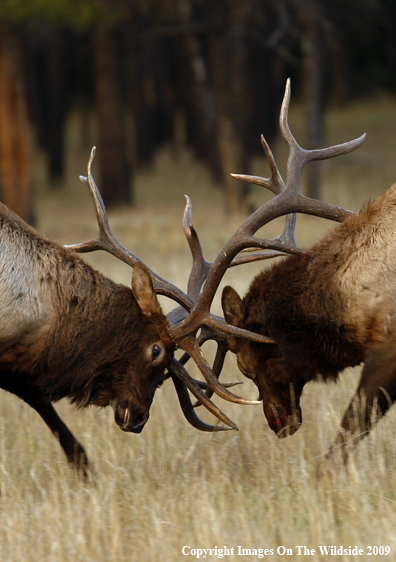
x=374, y=396
x=74, y=451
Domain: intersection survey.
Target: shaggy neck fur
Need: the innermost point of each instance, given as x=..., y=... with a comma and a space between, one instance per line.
x=305, y=315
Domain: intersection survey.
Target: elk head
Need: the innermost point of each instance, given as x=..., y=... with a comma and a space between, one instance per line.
x=262, y=363
x=131, y=396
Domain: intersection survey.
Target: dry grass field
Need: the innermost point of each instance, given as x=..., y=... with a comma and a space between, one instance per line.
x=172, y=486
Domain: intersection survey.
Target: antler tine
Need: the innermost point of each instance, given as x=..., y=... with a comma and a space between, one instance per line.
x=218, y=326
x=105, y=240
x=179, y=372
x=218, y=363
x=191, y=346
x=222, y=347
x=275, y=183
x=253, y=257
x=283, y=116
x=189, y=412
x=288, y=235
x=200, y=267
x=298, y=156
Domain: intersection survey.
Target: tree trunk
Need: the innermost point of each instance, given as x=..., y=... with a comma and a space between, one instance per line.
x=312, y=80
x=342, y=68
x=149, y=89
x=228, y=59
x=56, y=76
x=115, y=170
x=198, y=93
x=15, y=172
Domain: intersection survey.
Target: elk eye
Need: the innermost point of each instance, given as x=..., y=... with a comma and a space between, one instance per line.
x=156, y=352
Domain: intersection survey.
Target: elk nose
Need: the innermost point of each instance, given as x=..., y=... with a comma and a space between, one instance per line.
x=280, y=421
x=130, y=419
x=286, y=425
x=138, y=423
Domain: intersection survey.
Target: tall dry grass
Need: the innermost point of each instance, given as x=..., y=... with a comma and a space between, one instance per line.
x=173, y=486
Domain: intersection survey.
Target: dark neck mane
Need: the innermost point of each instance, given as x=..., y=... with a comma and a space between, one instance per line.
x=290, y=304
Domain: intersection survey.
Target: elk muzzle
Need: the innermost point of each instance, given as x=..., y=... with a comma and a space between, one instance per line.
x=130, y=418
x=282, y=422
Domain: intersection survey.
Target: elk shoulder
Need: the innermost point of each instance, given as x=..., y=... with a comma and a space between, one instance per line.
x=361, y=273
x=336, y=300
x=50, y=298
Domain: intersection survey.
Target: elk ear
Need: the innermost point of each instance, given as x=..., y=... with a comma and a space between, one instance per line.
x=143, y=290
x=232, y=306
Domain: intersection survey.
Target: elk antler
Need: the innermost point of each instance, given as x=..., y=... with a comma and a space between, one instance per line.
x=192, y=323
x=205, y=278
x=107, y=242
x=288, y=200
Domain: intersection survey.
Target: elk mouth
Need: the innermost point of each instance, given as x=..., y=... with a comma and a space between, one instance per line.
x=287, y=430
x=282, y=423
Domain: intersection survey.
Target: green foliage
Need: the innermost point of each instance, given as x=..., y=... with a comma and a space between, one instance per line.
x=73, y=13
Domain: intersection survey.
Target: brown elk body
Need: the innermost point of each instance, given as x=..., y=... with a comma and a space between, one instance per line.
x=329, y=309
x=68, y=331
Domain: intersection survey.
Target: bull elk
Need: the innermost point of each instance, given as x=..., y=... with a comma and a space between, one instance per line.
x=324, y=309
x=67, y=331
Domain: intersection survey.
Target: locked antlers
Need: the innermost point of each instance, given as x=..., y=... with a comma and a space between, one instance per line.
x=187, y=341
x=192, y=323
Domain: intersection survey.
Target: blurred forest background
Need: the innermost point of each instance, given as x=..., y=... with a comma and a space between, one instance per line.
x=206, y=74
x=175, y=94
